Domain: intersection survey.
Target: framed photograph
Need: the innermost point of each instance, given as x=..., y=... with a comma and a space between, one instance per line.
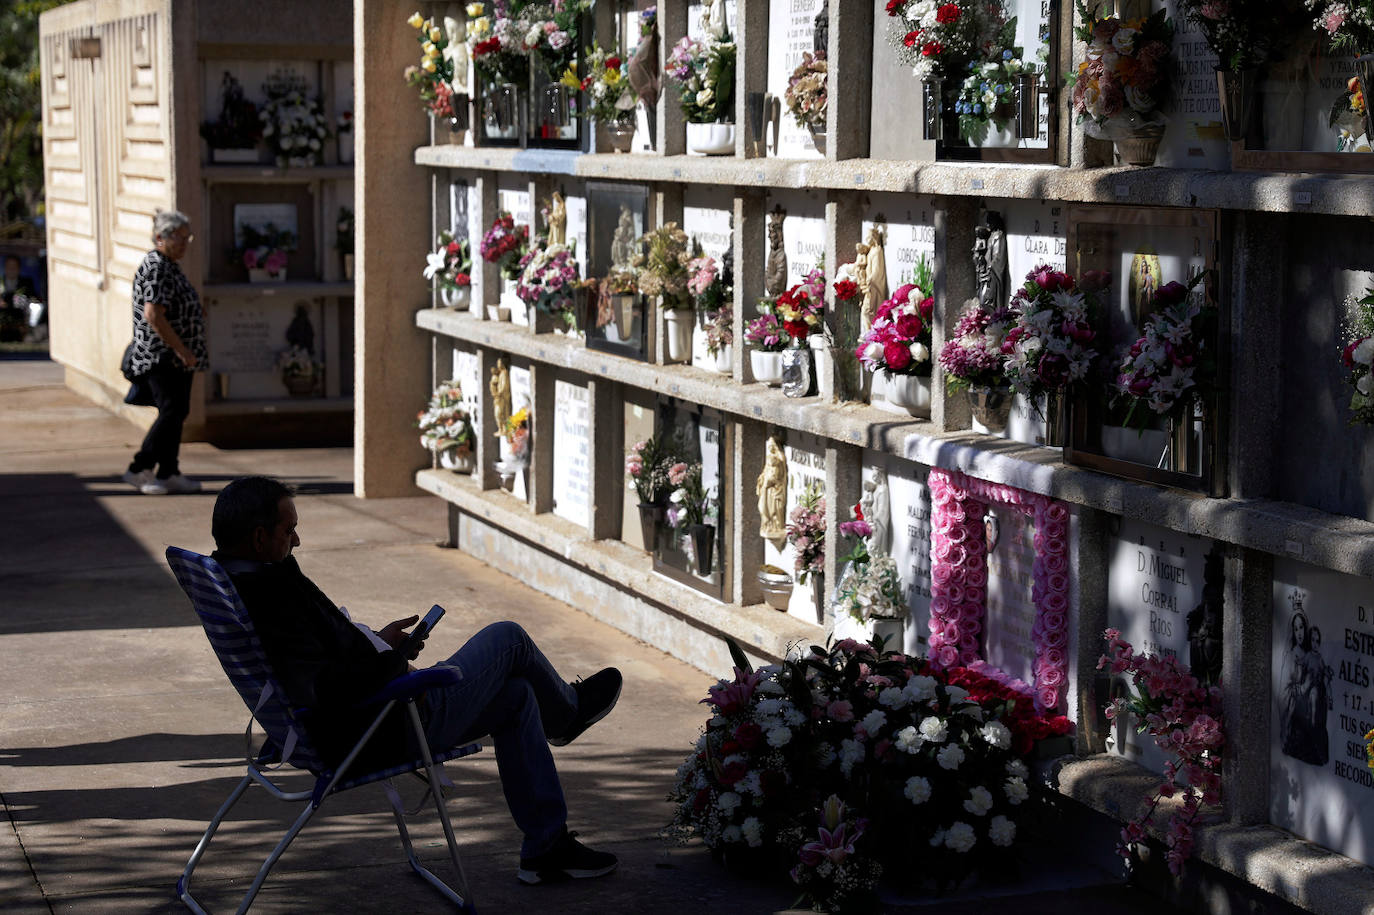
x=553, y=121
x=1145, y=248
x=618, y=321
x=687, y=552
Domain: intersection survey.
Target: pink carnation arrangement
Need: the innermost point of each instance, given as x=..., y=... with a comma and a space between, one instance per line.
x=1051, y=345
x=973, y=355
x=766, y=333
x=806, y=533
x=898, y=342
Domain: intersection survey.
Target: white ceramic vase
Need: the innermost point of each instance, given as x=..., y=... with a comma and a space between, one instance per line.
x=910, y=392
x=766, y=366
x=711, y=139
x=678, y=324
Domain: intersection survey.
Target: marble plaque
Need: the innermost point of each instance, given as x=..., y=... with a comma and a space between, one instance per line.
x=1010, y=610
x=519, y=387
x=1154, y=581
x=459, y=220
x=805, y=455
x=803, y=230
x=467, y=372
x=577, y=231
x=791, y=32
x=1036, y=235
x=520, y=205
x=1194, y=137
x=247, y=337
x=571, y=466
x=1322, y=705
x=709, y=227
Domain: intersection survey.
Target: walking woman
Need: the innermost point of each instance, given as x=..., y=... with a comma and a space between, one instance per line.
x=169, y=346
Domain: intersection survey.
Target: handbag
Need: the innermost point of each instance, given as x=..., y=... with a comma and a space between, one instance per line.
x=140, y=392
x=126, y=365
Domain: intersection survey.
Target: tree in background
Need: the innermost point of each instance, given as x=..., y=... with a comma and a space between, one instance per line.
x=21, y=119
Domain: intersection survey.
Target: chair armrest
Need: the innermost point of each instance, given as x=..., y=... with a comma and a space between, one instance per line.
x=408, y=686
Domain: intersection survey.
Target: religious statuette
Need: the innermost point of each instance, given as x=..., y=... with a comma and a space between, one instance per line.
x=877, y=508
x=874, y=288
x=499, y=385
x=775, y=278
x=771, y=489
x=557, y=220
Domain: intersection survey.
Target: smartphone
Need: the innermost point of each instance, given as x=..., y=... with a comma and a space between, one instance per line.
x=423, y=628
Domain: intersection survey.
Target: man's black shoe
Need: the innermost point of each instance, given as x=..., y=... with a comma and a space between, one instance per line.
x=596, y=696
x=569, y=859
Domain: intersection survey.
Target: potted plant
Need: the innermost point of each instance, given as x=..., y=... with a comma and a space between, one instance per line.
x=662, y=265
x=293, y=123
x=806, y=96
x=343, y=240
x=692, y=507
x=500, y=56
x=264, y=252
x=898, y=345
x=768, y=338
x=1242, y=35
x=434, y=75
x=610, y=99
x=704, y=71
x=1123, y=81
x=300, y=371
x=234, y=136
x=446, y=428
x=973, y=360
x=449, y=265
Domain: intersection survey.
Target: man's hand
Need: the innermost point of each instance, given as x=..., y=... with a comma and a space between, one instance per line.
x=395, y=635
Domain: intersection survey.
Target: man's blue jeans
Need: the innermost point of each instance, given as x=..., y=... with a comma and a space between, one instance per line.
x=510, y=691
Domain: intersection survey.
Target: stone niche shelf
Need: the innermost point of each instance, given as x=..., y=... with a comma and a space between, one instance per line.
x=1267, y=192
x=762, y=631
x=1262, y=855
x=1319, y=538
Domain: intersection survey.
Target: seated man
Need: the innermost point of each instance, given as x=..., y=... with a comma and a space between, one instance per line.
x=326, y=664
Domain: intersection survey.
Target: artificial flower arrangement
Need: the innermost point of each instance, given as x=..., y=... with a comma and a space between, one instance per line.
x=766, y=333
x=1241, y=34
x=806, y=533
x=445, y=424
x=450, y=263
x=806, y=92
x=662, y=265
x=720, y=329
x=972, y=357
x=1173, y=362
x=1348, y=117
x=343, y=123
x=711, y=286
x=646, y=470
x=498, y=40
x=839, y=765
x=610, y=100
x=621, y=281
x=265, y=248
x=516, y=432
x=1052, y=345
x=294, y=125
x=705, y=73
x=344, y=232
x=1185, y=719
x=1358, y=356
x=691, y=503
x=238, y=125
x=1124, y=79
x=549, y=279
x=298, y=362
x=1349, y=24
x=871, y=586
x=939, y=39
x=433, y=75
x=552, y=35
x=505, y=244
x=802, y=307
x=898, y=342
x=987, y=96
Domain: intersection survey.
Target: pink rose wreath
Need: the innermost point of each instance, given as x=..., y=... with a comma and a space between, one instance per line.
x=959, y=579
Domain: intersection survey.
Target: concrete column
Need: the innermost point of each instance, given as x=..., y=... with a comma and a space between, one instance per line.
x=606, y=467
x=671, y=135
x=1094, y=534
x=955, y=218
x=390, y=355
x=666, y=203
x=539, y=482
x=745, y=543
x=487, y=448
x=843, y=487
x=751, y=228
x=850, y=57
x=1260, y=265
x=1247, y=637
x=1083, y=151
x=843, y=230
x=751, y=71
x=486, y=277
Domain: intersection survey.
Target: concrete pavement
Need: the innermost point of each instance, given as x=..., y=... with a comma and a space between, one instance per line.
x=120, y=735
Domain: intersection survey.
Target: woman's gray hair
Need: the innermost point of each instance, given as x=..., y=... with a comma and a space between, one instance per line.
x=165, y=222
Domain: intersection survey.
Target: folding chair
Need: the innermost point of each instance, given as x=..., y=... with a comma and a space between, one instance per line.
x=231, y=634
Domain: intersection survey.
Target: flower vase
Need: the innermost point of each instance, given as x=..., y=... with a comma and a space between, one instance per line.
x=776, y=586
x=817, y=139
x=348, y=262
x=624, y=307
x=991, y=408
x=455, y=296
x=1364, y=72
x=818, y=596
x=621, y=136
x=1141, y=147
x=650, y=514
x=299, y=385
x=932, y=108
x=498, y=313
x=262, y=275
x=459, y=460
x=554, y=112
x=678, y=333
x=501, y=112
x=1236, y=90
x=723, y=359
x=703, y=546
x=711, y=139
x=766, y=366
x=797, y=377
x=910, y=392
x=1056, y=420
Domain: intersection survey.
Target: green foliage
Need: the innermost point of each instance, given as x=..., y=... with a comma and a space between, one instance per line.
x=21, y=128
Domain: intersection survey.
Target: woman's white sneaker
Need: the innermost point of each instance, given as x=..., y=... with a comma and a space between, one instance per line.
x=177, y=483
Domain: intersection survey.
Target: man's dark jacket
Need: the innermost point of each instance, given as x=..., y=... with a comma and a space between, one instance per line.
x=322, y=661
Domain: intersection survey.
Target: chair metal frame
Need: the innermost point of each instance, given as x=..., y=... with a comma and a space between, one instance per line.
x=231, y=634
